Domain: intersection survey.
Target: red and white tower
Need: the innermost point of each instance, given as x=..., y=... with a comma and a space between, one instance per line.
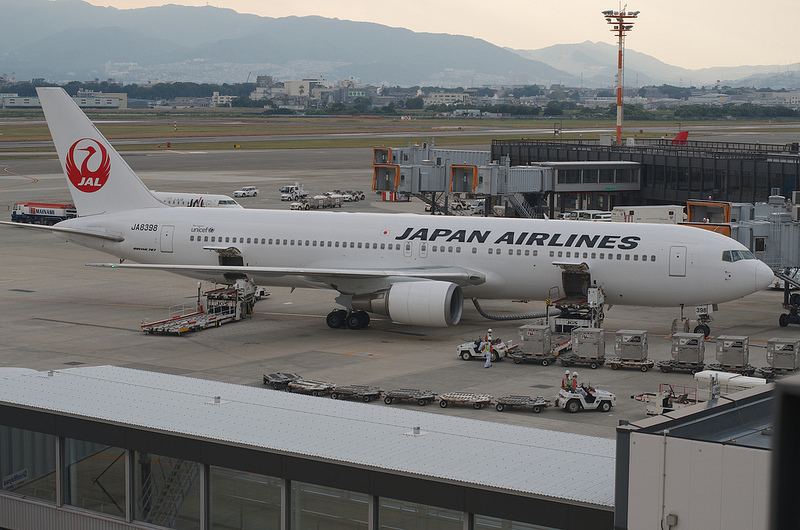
x=622, y=22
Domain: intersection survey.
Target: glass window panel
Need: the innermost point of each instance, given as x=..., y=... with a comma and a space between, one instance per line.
x=403, y=515
x=28, y=463
x=572, y=176
x=606, y=175
x=167, y=491
x=316, y=507
x=94, y=477
x=241, y=500
x=483, y=522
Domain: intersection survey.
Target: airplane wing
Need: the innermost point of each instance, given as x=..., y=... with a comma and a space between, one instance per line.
x=71, y=231
x=456, y=275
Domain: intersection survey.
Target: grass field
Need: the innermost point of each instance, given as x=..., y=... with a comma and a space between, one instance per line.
x=272, y=132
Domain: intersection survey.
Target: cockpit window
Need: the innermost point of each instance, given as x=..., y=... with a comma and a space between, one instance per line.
x=736, y=255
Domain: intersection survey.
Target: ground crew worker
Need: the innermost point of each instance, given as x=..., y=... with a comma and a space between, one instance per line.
x=487, y=348
x=566, y=382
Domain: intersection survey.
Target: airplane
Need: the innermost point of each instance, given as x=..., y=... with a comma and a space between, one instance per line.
x=195, y=200
x=416, y=269
x=680, y=138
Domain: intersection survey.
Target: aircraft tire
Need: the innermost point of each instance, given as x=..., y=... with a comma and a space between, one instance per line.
x=335, y=319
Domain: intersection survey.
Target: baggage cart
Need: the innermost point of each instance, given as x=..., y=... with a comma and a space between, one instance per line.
x=477, y=401
x=524, y=357
x=362, y=392
x=616, y=363
x=279, y=380
x=309, y=386
x=421, y=397
x=536, y=404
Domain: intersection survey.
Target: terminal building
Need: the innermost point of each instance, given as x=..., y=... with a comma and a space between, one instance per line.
x=542, y=176
x=115, y=448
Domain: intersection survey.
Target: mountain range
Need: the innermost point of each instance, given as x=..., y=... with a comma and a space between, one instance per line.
x=63, y=40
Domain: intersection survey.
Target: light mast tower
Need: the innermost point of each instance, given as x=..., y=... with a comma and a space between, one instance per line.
x=622, y=23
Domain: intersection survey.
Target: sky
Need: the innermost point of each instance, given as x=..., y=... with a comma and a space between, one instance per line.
x=684, y=33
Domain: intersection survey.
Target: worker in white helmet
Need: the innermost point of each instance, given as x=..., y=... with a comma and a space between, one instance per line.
x=487, y=348
x=566, y=382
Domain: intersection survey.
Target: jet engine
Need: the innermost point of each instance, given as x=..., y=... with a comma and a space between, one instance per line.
x=424, y=303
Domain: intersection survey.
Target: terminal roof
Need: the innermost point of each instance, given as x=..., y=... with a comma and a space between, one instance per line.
x=519, y=459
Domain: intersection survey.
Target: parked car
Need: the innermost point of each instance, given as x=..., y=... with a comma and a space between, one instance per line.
x=246, y=191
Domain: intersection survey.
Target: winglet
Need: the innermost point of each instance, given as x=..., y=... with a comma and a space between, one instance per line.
x=98, y=177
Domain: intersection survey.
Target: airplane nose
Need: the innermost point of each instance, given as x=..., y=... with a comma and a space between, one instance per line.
x=764, y=276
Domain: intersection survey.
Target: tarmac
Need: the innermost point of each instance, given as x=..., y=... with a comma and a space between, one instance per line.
x=57, y=313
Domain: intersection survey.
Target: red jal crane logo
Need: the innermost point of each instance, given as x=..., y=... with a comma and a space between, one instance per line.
x=86, y=179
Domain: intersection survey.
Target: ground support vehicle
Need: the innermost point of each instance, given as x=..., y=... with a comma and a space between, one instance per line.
x=783, y=356
x=422, y=397
x=536, y=404
x=747, y=369
x=593, y=399
x=302, y=204
x=215, y=306
x=668, y=366
x=280, y=380
x=320, y=201
x=42, y=213
x=769, y=373
x=500, y=349
x=616, y=363
x=246, y=191
x=309, y=386
x=362, y=392
x=669, y=397
x=542, y=358
x=477, y=401
x=591, y=362
x=292, y=193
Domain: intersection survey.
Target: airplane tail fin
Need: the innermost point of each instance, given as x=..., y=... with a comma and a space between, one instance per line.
x=99, y=179
x=680, y=138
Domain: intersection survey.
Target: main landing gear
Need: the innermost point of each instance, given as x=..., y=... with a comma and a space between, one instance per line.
x=341, y=318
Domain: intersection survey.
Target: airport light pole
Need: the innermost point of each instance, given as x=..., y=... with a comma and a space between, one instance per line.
x=621, y=22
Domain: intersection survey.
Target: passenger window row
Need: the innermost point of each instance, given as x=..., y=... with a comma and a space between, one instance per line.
x=298, y=243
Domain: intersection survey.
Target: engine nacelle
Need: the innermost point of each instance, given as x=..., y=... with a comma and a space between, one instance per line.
x=425, y=303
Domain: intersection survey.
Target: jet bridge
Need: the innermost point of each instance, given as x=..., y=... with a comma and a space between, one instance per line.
x=523, y=190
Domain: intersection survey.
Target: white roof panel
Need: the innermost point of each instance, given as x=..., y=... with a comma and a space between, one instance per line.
x=508, y=457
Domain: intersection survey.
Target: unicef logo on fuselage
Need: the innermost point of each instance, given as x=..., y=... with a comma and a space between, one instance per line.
x=95, y=165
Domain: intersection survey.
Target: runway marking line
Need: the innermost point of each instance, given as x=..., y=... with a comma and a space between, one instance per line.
x=369, y=355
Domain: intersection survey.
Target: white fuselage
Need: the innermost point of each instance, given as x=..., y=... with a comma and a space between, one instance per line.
x=635, y=264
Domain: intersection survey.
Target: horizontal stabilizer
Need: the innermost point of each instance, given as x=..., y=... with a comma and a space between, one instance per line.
x=71, y=231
